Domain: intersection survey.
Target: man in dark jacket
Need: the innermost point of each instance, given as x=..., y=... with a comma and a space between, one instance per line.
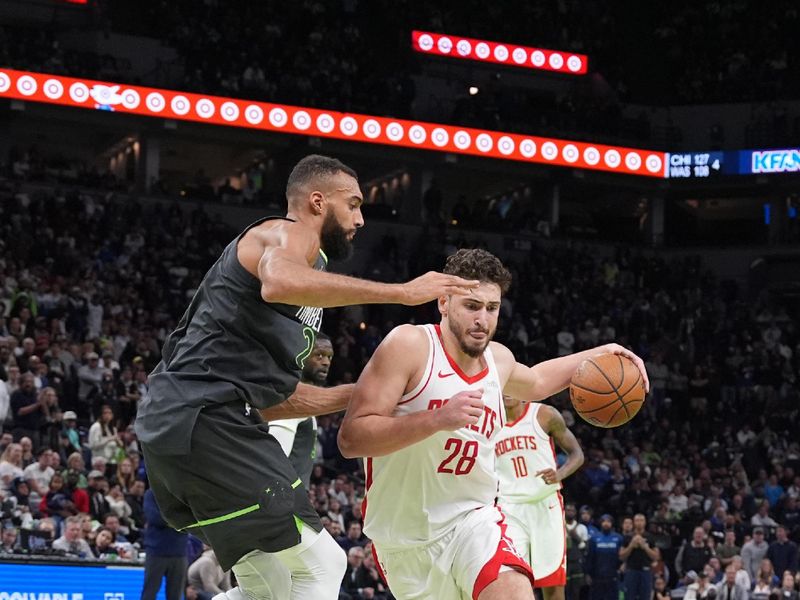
x=783, y=553
x=602, y=561
x=166, y=554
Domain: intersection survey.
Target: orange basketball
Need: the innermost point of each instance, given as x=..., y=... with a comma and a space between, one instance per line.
x=607, y=390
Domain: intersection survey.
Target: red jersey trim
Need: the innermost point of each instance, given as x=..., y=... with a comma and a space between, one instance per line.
x=430, y=373
x=559, y=576
x=467, y=378
x=505, y=554
x=522, y=416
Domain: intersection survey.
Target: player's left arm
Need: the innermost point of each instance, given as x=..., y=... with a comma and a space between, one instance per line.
x=310, y=401
x=557, y=429
x=533, y=384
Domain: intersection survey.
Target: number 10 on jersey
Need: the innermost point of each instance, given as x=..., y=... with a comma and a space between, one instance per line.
x=520, y=467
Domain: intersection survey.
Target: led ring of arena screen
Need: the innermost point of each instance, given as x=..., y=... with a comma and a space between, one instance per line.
x=200, y=108
x=514, y=55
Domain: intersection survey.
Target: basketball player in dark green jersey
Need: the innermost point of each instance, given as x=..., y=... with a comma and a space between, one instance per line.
x=235, y=359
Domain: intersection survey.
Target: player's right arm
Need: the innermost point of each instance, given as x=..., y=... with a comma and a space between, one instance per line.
x=287, y=276
x=370, y=427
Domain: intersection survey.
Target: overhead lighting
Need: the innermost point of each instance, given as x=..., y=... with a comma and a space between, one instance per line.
x=473, y=90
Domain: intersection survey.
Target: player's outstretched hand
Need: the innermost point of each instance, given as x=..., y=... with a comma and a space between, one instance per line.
x=622, y=351
x=463, y=409
x=432, y=285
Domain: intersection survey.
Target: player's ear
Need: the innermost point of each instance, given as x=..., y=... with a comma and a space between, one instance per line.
x=317, y=201
x=444, y=304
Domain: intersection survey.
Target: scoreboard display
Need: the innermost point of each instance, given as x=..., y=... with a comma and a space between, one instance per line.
x=705, y=165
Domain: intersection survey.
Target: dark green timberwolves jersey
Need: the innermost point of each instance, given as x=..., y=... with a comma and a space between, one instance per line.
x=229, y=345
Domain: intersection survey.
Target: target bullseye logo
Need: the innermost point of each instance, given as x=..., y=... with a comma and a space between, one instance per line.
x=519, y=55
x=440, y=137
x=482, y=50
x=371, y=128
x=417, y=134
x=501, y=53
x=462, y=140
x=591, y=156
x=26, y=85
x=325, y=123
x=130, y=99
x=204, y=108
x=229, y=111
x=574, y=63
x=278, y=117
x=445, y=45
x=155, y=102
x=549, y=150
x=527, y=148
x=53, y=89
x=612, y=158
x=180, y=105
x=425, y=42
x=633, y=161
x=537, y=58
x=463, y=47
x=484, y=142
x=394, y=131
x=253, y=114
x=302, y=120
x=653, y=163
x=570, y=153
x=348, y=126
x=505, y=145
x=5, y=82
x=556, y=60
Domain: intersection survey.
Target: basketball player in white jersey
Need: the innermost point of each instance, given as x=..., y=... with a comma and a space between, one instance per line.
x=530, y=481
x=426, y=413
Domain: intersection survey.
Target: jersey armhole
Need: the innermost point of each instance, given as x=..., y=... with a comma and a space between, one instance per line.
x=426, y=374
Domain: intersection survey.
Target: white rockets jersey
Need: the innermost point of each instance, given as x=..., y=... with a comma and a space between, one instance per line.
x=419, y=493
x=522, y=449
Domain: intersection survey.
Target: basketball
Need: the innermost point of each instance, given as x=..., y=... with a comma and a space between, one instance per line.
x=607, y=390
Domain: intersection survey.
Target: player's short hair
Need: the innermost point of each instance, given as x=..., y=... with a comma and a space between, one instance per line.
x=312, y=169
x=476, y=263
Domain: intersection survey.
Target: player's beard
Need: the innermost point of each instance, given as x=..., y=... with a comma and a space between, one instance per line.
x=470, y=347
x=333, y=239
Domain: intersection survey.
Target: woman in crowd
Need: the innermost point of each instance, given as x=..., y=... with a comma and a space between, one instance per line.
x=767, y=572
x=76, y=464
x=103, y=437
x=28, y=457
x=10, y=466
x=125, y=475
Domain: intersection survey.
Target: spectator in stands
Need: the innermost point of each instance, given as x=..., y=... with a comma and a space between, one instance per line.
x=728, y=549
x=694, y=554
x=71, y=441
x=28, y=456
x=354, y=537
x=603, y=561
x=787, y=590
x=10, y=466
x=125, y=476
x=89, y=377
x=104, y=395
x=637, y=553
x=115, y=525
x=8, y=543
x=701, y=588
x=783, y=552
x=104, y=441
x=29, y=411
x=206, y=575
x=660, y=589
x=106, y=548
x=38, y=474
x=767, y=573
x=753, y=552
x=72, y=542
x=350, y=584
x=762, y=517
x=166, y=554
x=729, y=589
x=135, y=499
x=98, y=505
